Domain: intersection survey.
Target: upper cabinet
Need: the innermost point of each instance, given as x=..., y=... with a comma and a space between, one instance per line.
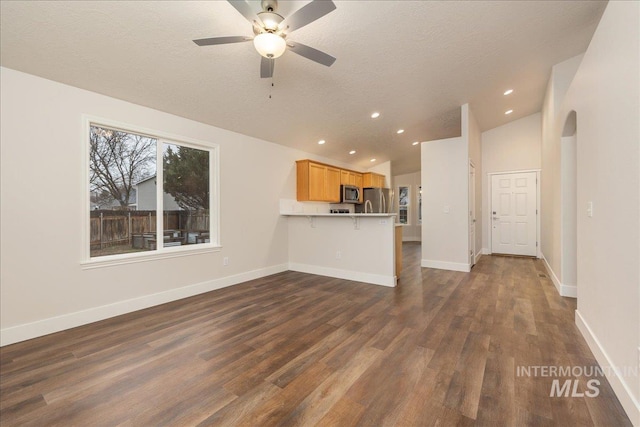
x=350, y=178
x=373, y=180
x=317, y=182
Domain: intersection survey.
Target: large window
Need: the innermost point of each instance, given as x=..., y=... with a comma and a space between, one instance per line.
x=148, y=194
x=403, y=205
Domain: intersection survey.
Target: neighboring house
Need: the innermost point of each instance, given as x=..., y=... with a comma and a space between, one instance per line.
x=146, y=196
x=114, y=204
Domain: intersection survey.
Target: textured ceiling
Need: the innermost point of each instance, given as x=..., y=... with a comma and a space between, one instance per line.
x=414, y=61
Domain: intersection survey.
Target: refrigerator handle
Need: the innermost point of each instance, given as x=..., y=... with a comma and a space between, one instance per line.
x=384, y=203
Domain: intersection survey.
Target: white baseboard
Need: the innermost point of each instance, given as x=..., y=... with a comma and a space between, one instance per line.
x=357, y=276
x=445, y=265
x=486, y=251
x=478, y=256
x=570, y=291
x=618, y=383
x=42, y=327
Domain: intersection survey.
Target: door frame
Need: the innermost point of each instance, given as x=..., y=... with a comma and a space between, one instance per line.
x=490, y=216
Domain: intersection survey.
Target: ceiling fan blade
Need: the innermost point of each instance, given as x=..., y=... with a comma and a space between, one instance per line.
x=245, y=10
x=307, y=14
x=312, y=54
x=221, y=40
x=266, y=67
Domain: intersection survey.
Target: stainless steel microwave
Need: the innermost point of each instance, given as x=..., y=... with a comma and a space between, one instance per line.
x=349, y=194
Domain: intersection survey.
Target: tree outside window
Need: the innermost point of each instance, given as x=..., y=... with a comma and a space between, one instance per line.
x=403, y=205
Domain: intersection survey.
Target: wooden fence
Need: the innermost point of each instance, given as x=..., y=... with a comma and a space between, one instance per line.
x=114, y=228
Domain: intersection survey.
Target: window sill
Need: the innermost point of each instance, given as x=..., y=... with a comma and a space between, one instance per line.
x=112, y=260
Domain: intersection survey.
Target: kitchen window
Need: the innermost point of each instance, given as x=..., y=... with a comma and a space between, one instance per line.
x=150, y=195
x=403, y=205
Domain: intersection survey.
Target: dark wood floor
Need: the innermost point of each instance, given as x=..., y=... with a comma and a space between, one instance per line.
x=443, y=348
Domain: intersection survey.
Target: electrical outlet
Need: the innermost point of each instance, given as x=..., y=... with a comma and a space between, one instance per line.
x=338, y=255
x=225, y=260
x=590, y=209
x=383, y=221
x=446, y=209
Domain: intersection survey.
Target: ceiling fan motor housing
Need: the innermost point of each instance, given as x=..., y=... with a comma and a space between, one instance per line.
x=269, y=5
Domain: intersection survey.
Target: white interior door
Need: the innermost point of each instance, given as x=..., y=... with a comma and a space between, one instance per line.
x=472, y=215
x=514, y=211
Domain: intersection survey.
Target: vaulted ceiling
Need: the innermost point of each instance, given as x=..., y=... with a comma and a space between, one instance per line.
x=415, y=62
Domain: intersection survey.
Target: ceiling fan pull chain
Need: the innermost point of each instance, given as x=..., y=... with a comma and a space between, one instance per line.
x=272, y=85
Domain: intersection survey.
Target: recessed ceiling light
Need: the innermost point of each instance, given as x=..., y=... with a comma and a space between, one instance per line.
x=322, y=141
x=508, y=91
x=375, y=115
x=372, y=160
x=400, y=131
x=352, y=152
x=508, y=112
x=416, y=143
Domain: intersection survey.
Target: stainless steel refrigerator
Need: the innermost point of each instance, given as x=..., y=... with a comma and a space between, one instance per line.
x=379, y=198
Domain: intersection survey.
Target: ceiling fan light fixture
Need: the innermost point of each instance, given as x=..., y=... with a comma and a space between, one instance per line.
x=269, y=45
x=270, y=20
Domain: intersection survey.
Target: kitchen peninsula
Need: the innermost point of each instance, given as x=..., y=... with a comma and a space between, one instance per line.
x=359, y=247
x=341, y=244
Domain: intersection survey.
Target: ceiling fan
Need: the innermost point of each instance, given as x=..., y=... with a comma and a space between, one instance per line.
x=271, y=30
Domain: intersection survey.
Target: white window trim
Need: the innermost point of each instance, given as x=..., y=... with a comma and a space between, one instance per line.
x=160, y=253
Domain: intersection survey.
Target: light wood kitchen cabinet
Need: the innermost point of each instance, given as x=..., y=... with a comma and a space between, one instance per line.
x=317, y=182
x=372, y=180
x=348, y=177
x=344, y=177
x=332, y=187
x=357, y=179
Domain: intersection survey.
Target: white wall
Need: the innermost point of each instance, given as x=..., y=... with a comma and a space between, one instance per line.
x=568, y=195
x=445, y=238
x=511, y=147
x=551, y=229
x=411, y=232
x=44, y=288
x=605, y=94
x=445, y=196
